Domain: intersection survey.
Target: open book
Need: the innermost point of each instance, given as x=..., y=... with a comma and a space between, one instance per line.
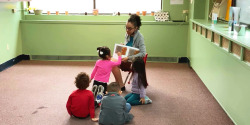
x=125, y=51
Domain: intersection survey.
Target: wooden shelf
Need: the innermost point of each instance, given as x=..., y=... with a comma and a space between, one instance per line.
x=239, y=46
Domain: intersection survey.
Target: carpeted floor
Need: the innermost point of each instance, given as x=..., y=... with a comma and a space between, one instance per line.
x=36, y=92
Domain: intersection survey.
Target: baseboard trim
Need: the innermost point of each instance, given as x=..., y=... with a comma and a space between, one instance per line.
x=94, y=58
x=13, y=61
x=19, y=58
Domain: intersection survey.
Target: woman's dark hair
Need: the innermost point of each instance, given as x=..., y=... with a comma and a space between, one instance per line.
x=135, y=20
x=82, y=80
x=139, y=67
x=103, y=51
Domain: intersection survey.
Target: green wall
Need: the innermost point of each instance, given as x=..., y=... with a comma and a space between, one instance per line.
x=226, y=78
x=64, y=38
x=85, y=18
x=65, y=35
x=200, y=10
x=223, y=74
x=40, y=38
x=176, y=11
x=10, y=32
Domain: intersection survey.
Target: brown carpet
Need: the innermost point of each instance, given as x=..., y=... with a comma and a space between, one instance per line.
x=35, y=93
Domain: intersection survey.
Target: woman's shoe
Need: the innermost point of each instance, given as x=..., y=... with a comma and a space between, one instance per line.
x=123, y=88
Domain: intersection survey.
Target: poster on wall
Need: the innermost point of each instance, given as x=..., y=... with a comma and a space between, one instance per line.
x=176, y=2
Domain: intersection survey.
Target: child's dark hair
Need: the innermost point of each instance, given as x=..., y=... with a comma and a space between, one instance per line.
x=135, y=20
x=103, y=51
x=113, y=87
x=139, y=67
x=82, y=80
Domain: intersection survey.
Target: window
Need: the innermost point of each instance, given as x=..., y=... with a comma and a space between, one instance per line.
x=127, y=6
x=245, y=11
x=104, y=6
x=72, y=6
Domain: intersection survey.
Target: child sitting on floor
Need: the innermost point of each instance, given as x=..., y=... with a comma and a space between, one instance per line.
x=81, y=102
x=114, y=109
x=139, y=84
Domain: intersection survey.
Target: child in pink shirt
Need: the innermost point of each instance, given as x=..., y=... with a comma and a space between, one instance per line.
x=103, y=67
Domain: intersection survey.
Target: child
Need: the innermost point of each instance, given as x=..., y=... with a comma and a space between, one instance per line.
x=103, y=68
x=139, y=84
x=81, y=102
x=114, y=109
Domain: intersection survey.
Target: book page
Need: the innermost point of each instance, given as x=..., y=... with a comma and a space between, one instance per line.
x=124, y=50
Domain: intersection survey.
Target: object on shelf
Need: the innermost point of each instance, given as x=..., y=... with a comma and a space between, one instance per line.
x=234, y=14
x=216, y=7
x=138, y=13
x=152, y=13
x=38, y=12
x=95, y=12
x=214, y=18
x=240, y=29
x=114, y=13
x=161, y=16
x=234, y=17
x=221, y=8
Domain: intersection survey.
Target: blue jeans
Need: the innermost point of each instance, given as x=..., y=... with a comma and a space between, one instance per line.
x=133, y=99
x=128, y=107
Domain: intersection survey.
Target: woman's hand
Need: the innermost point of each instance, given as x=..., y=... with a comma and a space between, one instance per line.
x=142, y=100
x=125, y=59
x=95, y=119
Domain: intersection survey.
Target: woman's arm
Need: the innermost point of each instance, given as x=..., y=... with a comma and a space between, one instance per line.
x=142, y=49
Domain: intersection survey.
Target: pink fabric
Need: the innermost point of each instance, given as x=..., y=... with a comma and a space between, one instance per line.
x=103, y=69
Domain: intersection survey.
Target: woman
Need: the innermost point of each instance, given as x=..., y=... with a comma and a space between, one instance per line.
x=135, y=39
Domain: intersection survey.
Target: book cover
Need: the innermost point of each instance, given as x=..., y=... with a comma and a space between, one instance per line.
x=125, y=51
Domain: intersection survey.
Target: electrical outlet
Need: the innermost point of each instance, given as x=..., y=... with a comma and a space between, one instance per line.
x=8, y=47
x=14, y=10
x=185, y=11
